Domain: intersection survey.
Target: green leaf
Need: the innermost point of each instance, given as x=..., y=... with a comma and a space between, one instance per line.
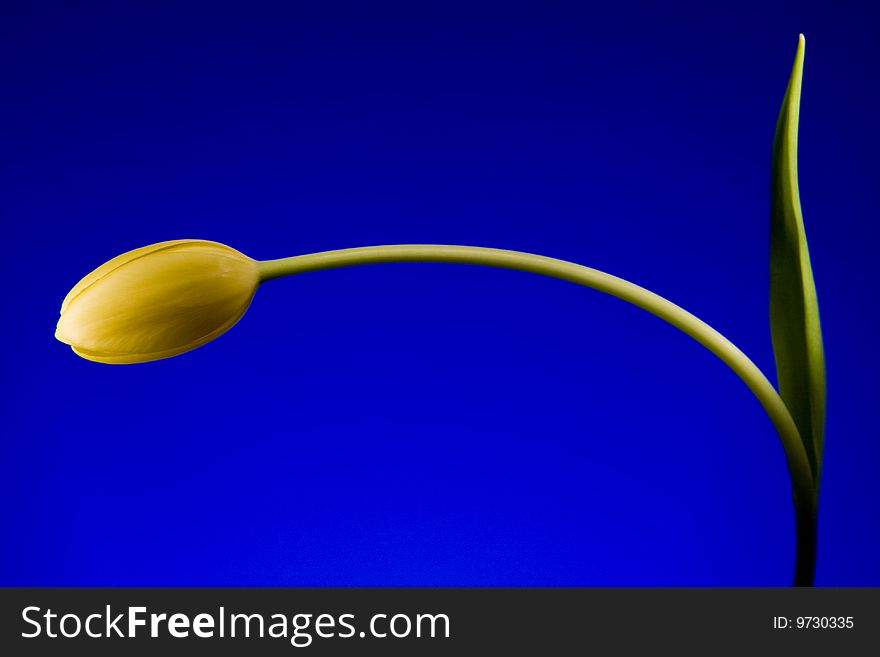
x=794, y=309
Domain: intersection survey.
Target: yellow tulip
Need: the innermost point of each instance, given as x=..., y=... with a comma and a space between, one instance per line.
x=171, y=297
x=157, y=301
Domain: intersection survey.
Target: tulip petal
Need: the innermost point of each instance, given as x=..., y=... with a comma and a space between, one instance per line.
x=129, y=256
x=120, y=358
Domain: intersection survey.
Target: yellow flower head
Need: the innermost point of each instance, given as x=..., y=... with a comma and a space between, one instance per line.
x=157, y=301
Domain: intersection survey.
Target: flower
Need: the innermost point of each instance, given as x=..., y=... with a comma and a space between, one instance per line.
x=157, y=301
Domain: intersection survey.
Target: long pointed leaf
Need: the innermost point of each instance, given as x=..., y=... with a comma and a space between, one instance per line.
x=794, y=310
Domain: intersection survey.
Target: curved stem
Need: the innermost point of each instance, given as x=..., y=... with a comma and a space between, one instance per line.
x=803, y=488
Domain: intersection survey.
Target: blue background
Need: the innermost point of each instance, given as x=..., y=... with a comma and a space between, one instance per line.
x=432, y=424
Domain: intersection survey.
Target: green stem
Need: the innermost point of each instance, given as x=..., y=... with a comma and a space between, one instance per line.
x=803, y=488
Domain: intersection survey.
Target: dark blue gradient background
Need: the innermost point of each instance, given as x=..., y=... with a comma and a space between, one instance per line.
x=432, y=424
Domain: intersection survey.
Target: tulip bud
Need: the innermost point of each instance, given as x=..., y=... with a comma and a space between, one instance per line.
x=157, y=301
